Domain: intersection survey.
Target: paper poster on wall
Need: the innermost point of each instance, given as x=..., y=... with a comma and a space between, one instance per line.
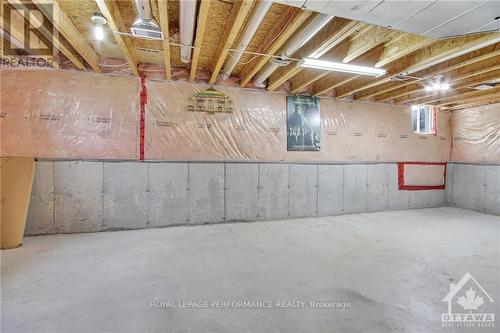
x=303, y=123
x=210, y=101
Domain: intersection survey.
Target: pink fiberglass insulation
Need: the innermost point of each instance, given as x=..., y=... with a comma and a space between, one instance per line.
x=57, y=114
x=476, y=134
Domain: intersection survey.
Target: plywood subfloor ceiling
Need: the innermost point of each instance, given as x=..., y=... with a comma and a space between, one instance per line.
x=470, y=64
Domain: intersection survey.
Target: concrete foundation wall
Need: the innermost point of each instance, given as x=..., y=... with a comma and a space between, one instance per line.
x=83, y=196
x=473, y=186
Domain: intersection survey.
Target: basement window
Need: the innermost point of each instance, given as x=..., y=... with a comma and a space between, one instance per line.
x=424, y=119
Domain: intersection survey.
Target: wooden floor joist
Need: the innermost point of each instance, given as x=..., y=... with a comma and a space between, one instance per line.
x=424, y=97
x=57, y=41
x=397, y=89
x=334, y=33
x=493, y=100
x=367, y=40
x=163, y=10
x=396, y=46
x=455, y=76
x=290, y=22
x=200, y=32
x=411, y=61
x=305, y=79
x=331, y=82
x=400, y=46
x=65, y=26
x=110, y=11
x=236, y=19
x=427, y=57
x=469, y=97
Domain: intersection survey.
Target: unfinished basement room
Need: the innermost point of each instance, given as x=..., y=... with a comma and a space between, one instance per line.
x=250, y=166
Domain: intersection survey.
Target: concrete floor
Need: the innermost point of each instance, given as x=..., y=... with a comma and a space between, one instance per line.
x=393, y=268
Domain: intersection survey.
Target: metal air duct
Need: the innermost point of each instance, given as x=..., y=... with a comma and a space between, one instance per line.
x=144, y=25
x=296, y=43
x=187, y=18
x=253, y=25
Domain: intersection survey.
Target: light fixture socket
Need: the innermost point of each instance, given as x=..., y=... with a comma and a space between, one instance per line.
x=98, y=18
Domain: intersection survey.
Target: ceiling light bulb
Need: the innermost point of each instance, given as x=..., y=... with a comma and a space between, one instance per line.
x=436, y=86
x=445, y=86
x=428, y=88
x=99, y=32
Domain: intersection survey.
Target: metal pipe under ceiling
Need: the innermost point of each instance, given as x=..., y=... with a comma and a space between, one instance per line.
x=187, y=18
x=257, y=18
x=296, y=43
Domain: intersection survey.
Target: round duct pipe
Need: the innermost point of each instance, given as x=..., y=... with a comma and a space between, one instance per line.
x=296, y=43
x=187, y=18
x=257, y=18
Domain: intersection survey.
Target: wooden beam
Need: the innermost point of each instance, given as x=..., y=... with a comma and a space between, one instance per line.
x=473, y=80
x=463, y=75
x=386, y=87
x=309, y=76
x=163, y=11
x=335, y=32
x=200, y=31
x=325, y=85
x=239, y=12
x=110, y=11
x=401, y=46
x=282, y=74
x=452, y=77
x=290, y=21
x=469, y=97
x=464, y=90
x=306, y=78
x=366, y=83
x=57, y=42
x=65, y=26
x=431, y=55
x=367, y=40
x=3, y=56
x=331, y=36
x=493, y=100
x=330, y=82
x=394, y=89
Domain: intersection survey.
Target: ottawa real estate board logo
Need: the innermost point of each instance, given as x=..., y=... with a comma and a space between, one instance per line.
x=27, y=34
x=469, y=305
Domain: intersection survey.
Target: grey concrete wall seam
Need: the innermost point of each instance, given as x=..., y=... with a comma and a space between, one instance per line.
x=41, y=214
x=78, y=204
x=83, y=196
x=476, y=187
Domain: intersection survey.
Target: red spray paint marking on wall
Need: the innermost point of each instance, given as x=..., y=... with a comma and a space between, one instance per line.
x=142, y=120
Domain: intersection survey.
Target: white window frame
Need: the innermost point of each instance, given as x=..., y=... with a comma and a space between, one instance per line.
x=431, y=116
